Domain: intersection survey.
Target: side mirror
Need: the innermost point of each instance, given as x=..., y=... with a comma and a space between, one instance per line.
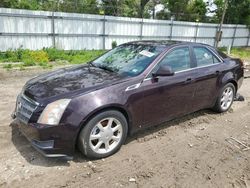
x=163, y=71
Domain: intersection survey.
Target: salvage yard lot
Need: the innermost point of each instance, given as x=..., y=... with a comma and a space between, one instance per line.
x=192, y=151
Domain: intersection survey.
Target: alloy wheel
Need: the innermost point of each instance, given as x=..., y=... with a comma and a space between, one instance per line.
x=227, y=98
x=105, y=135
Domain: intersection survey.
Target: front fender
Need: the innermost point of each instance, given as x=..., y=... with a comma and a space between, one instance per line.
x=83, y=107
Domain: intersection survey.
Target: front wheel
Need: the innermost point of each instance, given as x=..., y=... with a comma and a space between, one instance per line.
x=103, y=135
x=225, y=98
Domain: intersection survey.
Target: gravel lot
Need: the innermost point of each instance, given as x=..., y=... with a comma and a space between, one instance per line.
x=193, y=151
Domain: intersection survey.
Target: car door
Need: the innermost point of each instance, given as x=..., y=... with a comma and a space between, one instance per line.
x=170, y=96
x=209, y=68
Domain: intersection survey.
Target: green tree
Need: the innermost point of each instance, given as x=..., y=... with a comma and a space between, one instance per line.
x=28, y=4
x=238, y=11
x=142, y=9
x=163, y=15
x=49, y=5
x=88, y=6
x=176, y=8
x=8, y=3
x=78, y=6
x=136, y=8
x=197, y=10
x=112, y=7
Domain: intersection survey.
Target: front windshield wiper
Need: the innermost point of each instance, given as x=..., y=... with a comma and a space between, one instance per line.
x=90, y=63
x=100, y=67
x=106, y=68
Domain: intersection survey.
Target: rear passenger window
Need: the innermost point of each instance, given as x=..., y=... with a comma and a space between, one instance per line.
x=204, y=57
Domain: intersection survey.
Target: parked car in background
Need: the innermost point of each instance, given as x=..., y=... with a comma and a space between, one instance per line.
x=139, y=84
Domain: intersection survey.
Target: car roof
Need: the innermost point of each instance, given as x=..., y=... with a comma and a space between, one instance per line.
x=165, y=43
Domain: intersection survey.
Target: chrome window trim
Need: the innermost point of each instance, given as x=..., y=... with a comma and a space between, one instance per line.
x=218, y=57
x=211, y=51
x=164, y=55
x=190, y=69
x=207, y=47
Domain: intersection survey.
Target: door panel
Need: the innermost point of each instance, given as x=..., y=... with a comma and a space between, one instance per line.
x=209, y=69
x=167, y=98
x=207, y=86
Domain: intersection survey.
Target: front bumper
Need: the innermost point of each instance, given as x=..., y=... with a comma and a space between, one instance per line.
x=53, y=141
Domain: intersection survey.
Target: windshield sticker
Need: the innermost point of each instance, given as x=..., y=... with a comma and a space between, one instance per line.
x=134, y=70
x=146, y=53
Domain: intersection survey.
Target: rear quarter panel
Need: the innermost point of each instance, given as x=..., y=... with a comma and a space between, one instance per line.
x=233, y=72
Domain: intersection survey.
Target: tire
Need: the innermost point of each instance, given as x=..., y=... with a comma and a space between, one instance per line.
x=103, y=135
x=221, y=106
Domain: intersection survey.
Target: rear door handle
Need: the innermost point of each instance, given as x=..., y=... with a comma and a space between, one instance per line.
x=188, y=80
x=217, y=72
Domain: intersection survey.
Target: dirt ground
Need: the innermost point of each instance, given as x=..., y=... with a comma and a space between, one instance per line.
x=193, y=151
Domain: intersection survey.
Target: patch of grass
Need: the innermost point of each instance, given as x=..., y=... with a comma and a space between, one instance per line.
x=21, y=67
x=55, y=54
x=29, y=62
x=45, y=65
x=7, y=66
x=46, y=55
x=243, y=53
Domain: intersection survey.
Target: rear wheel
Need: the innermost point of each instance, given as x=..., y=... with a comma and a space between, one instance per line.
x=103, y=135
x=225, y=98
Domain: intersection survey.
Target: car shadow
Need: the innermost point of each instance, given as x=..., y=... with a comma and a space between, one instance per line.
x=32, y=156
x=175, y=122
x=35, y=158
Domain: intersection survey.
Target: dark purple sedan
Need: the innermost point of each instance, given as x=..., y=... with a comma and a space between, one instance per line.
x=139, y=84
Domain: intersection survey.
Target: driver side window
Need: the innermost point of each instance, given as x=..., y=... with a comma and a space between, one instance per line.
x=178, y=59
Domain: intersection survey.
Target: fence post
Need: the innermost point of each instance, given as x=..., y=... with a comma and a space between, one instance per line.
x=141, y=29
x=171, y=29
x=53, y=30
x=196, y=32
x=235, y=29
x=215, y=38
x=248, y=39
x=103, y=33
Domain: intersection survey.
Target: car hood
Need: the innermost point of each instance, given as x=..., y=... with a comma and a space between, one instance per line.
x=67, y=80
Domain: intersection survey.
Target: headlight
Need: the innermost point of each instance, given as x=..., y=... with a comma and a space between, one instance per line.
x=53, y=112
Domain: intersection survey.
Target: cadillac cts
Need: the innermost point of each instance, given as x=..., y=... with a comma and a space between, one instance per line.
x=95, y=106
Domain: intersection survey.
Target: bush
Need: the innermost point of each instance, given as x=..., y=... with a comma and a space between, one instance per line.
x=42, y=57
x=114, y=44
x=39, y=56
x=54, y=54
x=11, y=56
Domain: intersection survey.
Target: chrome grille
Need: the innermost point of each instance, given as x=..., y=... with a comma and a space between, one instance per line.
x=25, y=108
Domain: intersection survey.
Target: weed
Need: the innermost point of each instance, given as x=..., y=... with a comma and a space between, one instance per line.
x=7, y=66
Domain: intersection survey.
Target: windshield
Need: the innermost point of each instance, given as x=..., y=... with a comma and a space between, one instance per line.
x=128, y=59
